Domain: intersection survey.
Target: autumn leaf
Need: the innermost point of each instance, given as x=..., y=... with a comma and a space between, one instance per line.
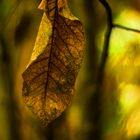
x=50, y=76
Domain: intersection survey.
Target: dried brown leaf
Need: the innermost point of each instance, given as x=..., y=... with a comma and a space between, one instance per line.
x=50, y=76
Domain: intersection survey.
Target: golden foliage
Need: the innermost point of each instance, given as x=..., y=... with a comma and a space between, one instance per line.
x=50, y=76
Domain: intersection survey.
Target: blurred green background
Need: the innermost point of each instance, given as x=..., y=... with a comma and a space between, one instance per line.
x=120, y=96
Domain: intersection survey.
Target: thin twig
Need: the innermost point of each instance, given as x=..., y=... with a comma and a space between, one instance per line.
x=126, y=28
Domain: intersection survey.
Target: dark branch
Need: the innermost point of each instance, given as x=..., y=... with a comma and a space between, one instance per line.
x=99, y=82
x=125, y=28
x=108, y=11
x=106, y=41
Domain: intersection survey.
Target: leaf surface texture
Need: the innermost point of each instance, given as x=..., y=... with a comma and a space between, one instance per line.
x=50, y=76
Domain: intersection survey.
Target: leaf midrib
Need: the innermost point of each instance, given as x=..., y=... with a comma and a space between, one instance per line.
x=52, y=41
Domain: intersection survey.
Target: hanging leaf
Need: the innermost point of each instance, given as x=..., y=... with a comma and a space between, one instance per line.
x=50, y=76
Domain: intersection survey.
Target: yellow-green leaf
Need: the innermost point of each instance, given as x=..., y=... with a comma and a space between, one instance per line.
x=50, y=76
